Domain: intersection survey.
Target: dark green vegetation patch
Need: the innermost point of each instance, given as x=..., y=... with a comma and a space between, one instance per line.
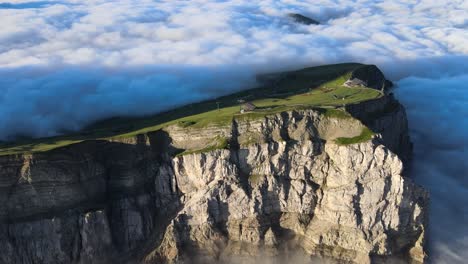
x=365, y=135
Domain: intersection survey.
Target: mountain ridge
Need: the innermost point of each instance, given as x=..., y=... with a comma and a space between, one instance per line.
x=279, y=183
x=319, y=86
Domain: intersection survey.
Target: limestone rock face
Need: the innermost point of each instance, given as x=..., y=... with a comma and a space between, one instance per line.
x=282, y=185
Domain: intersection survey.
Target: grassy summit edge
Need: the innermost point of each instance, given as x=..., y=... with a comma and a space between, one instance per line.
x=314, y=87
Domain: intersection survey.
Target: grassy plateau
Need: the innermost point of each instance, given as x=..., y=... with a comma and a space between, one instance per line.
x=315, y=87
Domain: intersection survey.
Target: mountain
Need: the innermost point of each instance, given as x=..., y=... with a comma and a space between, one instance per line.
x=326, y=179
x=301, y=19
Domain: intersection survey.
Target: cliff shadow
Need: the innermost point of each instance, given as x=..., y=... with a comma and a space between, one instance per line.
x=161, y=145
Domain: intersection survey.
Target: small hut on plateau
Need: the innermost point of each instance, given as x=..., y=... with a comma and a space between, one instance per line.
x=247, y=107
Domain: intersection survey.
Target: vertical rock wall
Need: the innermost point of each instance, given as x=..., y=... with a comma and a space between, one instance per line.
x=282, y=184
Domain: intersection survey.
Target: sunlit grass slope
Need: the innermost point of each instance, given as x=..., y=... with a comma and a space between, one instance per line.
x=316, y=87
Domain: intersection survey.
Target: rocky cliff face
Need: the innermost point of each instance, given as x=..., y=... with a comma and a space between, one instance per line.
x=282, y=184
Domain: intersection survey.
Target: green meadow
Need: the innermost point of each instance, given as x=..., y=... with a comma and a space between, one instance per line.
x=315, y=87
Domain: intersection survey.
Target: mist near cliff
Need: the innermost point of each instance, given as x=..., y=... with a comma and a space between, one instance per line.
x=66, y=64
x=437, y=110
x=48, y=102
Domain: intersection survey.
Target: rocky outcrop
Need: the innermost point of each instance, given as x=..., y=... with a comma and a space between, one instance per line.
x=368, y=76
x=386, y=117
x=282, y=184
x=301, y=19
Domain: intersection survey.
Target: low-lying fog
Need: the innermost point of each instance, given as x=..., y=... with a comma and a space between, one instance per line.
x=438, y=117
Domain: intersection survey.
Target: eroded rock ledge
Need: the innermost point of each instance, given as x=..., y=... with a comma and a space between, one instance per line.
x=281, y=183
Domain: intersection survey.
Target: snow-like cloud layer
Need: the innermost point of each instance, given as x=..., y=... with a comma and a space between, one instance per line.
x=83, y=59
x=64, y=64
x=201, y=32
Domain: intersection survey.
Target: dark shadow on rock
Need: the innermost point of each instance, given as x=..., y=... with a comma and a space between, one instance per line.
x=114, y=177
x=161, y=144
x=374, y=112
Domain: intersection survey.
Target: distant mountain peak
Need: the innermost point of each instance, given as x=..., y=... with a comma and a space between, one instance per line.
x=298, y=18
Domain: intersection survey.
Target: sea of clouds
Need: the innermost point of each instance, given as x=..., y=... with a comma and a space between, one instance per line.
x=65, y=64
x=438, y=117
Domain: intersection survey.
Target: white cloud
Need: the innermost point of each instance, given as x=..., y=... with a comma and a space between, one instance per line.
x=64, y=64
x=438, y=112
x=197, y=32
x=58, y=37
x=45, y=102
